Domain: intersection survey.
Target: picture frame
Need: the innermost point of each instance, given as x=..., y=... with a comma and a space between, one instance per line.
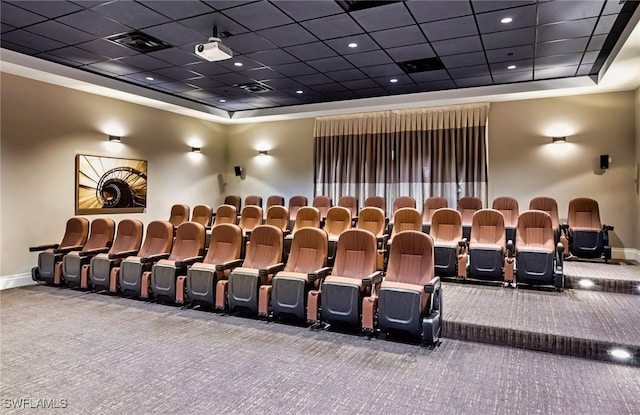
x=106, y=185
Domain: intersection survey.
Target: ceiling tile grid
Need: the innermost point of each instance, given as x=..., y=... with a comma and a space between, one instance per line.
x=294, y=52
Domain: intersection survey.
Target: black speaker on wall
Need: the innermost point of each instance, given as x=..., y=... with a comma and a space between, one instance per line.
x=238, y=170
x=604, y=161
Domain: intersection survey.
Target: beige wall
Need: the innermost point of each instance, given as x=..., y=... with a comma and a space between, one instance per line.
x=44, y=126
x=637, y=171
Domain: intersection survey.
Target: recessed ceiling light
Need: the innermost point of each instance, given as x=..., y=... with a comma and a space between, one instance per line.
x=223, y=100
x=620, y=354
x=149, y=78
x=299, y=91
x=237, y=64
x=511, y=67
x=586, y=283
x=506, y=20
x=353, y=45
x=393, y=80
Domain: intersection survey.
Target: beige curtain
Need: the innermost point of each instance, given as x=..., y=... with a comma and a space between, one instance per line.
x=419, y=153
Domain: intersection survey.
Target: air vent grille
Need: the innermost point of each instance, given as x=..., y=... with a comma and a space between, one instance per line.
x=254, y=87
x=138, y=41
x=354, y=5
x=422, y=65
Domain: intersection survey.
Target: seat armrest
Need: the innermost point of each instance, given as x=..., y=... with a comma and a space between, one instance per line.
x=65, y=249
x=286, y=232
x=510, y=248
x=123, y=254
x=319, y=274
x=272, y=269
x=606, y=228
x=373, y=279
x=229, y=264
x=433, y=285
x=43, y=247
x=153, y=258
x=462, y=243
x=247, y=234
x=189, y=261
x=95, y=251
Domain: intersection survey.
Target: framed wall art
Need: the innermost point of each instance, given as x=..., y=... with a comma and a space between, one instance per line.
x=106, y=185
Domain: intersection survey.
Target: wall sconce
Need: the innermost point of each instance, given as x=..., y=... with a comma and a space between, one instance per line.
x=115, y=139
x=195, y=149
x=559, y=140
x=262, y=152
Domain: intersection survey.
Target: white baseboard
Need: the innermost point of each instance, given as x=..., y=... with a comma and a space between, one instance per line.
x=13, y=281
x=625, y=253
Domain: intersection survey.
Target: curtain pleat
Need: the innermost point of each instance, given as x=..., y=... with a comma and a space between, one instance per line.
x=419, y=153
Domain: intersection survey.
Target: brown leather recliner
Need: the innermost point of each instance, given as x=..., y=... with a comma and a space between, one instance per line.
x=376, y=201
x=487, y=246
x=588, y=237
x=323, y=204
x=278, y=216
x=295, y=203
x=446, y=231
x=179, y=214
x=233, y=200
x=202, y=214
x=467, y=206
x=372, y=219
x=226, y=214
x=253, y=200
x=100, y=240
x=431, y=204
x=351, y=203
x=508, y=206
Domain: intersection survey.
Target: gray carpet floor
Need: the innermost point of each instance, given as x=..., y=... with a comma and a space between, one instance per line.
x=110, y=355
x=618, y=270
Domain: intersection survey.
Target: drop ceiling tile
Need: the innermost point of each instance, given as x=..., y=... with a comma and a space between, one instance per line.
x=412, y=52
x=566, y=30
x=503, y=67
x=385, y=81
x=262, y=74
x=377, y=91
x=174, y=34
x=115, y=67
x=510, y=54
x=590, y=57
x=382, y=70
x=383, y=17
x=558, y=11
x=522, y=17
x=175, y=87
x=401, y=36
x=60, y=32
x=332, y=27
x=562, y=47
x=330, y=64
x=77, y=55
x=56, y=59
x=94, y=23
x=17, y=47
x=50, y=9
x=510, y=77
x=464, y=59
x=6, y=27
x=233, y=79
x=473, y=81
x=205, y=82
x=399, y=89
x=430, y=76
x=259, y=15
x=457, y=46
x=294, y=69
x=248, y=43
x=469, y=71
x=141, y=78
x=584, y=70
x=451, y=28
x=144, y=62
x=17, y=16
x=605, y=24
x=247, y=64
x=557, y=72
x=272, y=57
x=207, y=68
x=200, y=94
x=176, y=9
x=314, y=79
x=344, y=95
x=437, y=85
x=175, y=56
x=31, y=40
x=176, y=73
x=508, y=38
x=328, y=88
x=311, y=51
x=341, y=45
x=131, y=13
x=347, y=75
x=288, y=35
x=428, y=11
x=204, y=24
x=360, y=84
x=284, y=84
x=373, y=58
x=482, y=6
x=596, y=42
x=305, y=10
x=558, y=60
x=613, y=7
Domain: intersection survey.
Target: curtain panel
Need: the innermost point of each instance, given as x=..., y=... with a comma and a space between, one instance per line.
x=420, y=153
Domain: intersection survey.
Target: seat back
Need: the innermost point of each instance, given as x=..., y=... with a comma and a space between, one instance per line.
x=549, y=205
x=406, y=219
x=76, y=232
x=487, y=227
x=307, y=216
x=356, y=254
x=351, y=203
x=372, y=219
x=250, y=217
x=446, y=226
x=253, y=200
x=376, y=201
x=101, y=234
x=226, y=214
x=308, y=251
x=189, y=241
x=225, y=244
x=431, y=204
x=467, y=206
x=179, y=214
x=295, y=203
x=278, y=216
x=584, y=214
x=158, y=240
x=411, y=259
x=202, y=214
x=128, y=236
x=403, y=202
x=535, y=231
x=275, y=200
x=234, y=200
x=338, y=221
x=508, y=206
x=323, y=203
x=266, y=247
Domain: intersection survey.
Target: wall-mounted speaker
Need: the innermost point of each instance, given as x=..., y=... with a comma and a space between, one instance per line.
x=604, y=161
x=238, y=170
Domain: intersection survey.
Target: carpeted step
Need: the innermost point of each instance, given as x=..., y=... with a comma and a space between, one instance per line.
x=619, y=276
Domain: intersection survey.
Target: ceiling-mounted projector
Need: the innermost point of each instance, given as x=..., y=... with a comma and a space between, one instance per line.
x=213, y=50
